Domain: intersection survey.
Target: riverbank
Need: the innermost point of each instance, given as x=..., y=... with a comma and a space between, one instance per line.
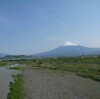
x=5, y=79
x=16, y=88
x=53, y=84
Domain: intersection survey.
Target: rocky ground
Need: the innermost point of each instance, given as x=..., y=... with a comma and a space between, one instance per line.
x=50, y=84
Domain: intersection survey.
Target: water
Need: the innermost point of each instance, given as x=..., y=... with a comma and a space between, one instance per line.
x=5, y=79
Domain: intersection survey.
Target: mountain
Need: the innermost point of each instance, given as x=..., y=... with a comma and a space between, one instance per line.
x=69, y=51
x=16, y=57
x=2, y=55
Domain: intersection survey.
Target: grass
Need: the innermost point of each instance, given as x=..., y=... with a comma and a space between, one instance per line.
x=16, y=88
x=5, y=63
x=17, y=68
x=88, y=67
x=88, y=75
x=2, y=63
x=84, y=67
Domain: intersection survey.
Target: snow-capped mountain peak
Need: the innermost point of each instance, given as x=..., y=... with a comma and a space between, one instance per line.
x=70, y=44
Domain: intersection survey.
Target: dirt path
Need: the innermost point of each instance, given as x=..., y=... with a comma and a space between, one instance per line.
x=48, y=84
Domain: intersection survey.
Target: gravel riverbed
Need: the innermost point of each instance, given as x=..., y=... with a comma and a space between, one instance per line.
x=50, y=84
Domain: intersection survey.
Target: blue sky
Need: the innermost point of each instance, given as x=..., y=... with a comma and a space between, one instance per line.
x=34, y=26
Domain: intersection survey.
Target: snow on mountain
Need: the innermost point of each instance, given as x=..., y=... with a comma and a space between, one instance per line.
x=70, y=44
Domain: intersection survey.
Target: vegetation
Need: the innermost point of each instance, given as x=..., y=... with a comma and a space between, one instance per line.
x=16, y=88
x=17, y=68
x=3, y=63
x=83, y=66
x=6, y=62
x=88, y=67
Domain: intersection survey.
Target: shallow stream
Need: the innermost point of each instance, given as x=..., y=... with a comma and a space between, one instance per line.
x=5, y=79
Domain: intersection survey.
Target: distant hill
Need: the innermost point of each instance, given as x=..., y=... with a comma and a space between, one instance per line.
x=16, y=57
x=69, y=51
x=2, y=55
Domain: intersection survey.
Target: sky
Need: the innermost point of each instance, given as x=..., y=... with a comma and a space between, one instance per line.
x=34, y=26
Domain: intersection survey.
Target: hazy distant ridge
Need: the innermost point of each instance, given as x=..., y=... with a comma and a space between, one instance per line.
x=2, y=54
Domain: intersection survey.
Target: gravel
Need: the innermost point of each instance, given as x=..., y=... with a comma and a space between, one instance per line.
x=50, y=84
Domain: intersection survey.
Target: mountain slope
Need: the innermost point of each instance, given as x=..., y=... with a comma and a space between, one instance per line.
x=2, y=54
x=68, y=51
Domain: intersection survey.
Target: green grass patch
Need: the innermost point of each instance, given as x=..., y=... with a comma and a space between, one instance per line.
x=88, y=75
x=16, y=88
x=17, y=68
x=2, y=63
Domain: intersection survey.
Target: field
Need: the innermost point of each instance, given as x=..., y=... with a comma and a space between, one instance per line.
x=88, y=67
x=62, y=78
x=66, y=77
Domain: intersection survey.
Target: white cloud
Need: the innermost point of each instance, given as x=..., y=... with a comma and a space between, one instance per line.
x=70, y=44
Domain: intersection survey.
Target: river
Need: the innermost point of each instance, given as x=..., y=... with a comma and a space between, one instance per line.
x=5, y=79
